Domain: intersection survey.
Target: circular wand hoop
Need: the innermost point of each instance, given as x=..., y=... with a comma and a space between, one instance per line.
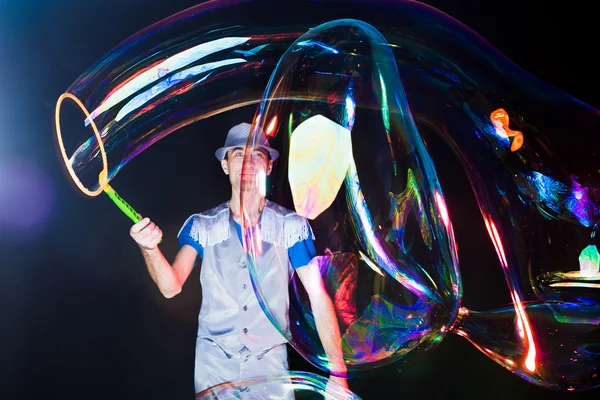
x=103, y=175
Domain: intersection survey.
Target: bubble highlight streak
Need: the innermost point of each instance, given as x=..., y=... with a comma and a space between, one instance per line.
x=158, y=71
x=523, y=321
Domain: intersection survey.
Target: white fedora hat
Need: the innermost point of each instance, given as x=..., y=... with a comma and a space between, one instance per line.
x=238, y=137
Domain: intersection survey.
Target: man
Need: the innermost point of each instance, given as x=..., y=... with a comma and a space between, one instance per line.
x=235, y=338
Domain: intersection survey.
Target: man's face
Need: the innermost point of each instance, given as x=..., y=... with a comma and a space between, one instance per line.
x=247, y=170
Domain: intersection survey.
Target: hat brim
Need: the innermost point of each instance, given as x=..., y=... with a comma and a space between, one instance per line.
x=220, y=153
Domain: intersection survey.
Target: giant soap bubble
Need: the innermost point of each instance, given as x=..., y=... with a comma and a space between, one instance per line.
x=521, y=143
x=355, y=165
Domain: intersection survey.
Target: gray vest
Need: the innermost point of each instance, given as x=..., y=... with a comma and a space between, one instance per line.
x=230, y=314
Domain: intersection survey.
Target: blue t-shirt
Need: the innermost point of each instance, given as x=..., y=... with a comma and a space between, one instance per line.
x=300, y=253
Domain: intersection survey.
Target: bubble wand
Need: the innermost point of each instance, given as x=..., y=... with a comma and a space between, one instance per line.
x=103, y=176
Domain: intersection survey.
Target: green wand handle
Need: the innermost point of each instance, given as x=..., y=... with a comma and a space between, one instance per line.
x=122, y=204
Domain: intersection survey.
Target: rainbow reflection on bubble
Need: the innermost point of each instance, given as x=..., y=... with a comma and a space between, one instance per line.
x=385, y=230
x=294, y=385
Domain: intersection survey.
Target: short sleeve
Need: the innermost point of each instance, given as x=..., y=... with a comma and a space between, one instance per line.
x=302, y=252
x=184, y=237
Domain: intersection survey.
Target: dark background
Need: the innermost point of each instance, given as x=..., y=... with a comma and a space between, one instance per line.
x=80, y=317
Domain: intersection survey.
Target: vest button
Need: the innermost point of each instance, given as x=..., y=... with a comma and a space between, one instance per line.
x=245, y=330
x=244, y=286
x=245, y=308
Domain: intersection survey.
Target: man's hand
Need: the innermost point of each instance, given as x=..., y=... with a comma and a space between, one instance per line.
x=146, y=234
x=332, y=392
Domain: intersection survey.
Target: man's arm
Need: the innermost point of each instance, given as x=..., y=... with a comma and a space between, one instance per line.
x=325, y=316
x=169, y=279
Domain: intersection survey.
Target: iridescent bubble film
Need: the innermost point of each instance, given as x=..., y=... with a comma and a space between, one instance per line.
x=294, y=385
x=390, y=267
x=355, y=165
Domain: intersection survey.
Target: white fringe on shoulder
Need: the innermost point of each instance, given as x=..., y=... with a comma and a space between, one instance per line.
x=284, y=230
x=278, y=226
x=210, y=230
